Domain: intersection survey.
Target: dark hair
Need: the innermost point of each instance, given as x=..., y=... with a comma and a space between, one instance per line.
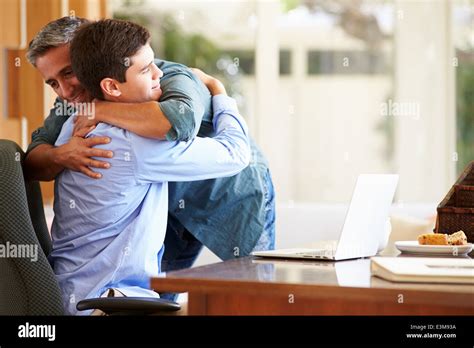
x=54, y=34
x=104, y=49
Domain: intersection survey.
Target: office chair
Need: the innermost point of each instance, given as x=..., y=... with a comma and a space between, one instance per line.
x=29, y=287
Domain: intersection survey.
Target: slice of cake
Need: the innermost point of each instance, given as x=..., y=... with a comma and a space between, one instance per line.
x=457, y=238
x=433, y=239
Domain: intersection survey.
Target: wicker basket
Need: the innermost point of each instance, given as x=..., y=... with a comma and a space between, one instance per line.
x=464, y=196
x=456, y=211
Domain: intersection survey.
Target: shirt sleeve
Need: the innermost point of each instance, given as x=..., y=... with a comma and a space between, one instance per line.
x=182, y=105
x=226, y=154
x=49, y=132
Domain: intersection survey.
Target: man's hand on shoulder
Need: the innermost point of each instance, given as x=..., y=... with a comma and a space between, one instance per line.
x=76, y=154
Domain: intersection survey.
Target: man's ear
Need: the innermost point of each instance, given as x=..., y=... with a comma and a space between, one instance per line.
x=110, y=87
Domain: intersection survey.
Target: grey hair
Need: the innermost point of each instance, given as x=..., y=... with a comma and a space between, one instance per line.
x=54, y=34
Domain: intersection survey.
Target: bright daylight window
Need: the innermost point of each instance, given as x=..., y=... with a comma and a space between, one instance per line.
x=332, y=89
x=463, y=35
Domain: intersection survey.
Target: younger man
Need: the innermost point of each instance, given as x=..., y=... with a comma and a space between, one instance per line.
x=109, y=233
x=231, y=216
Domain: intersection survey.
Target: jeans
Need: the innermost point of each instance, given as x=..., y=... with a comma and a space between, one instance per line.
x=267, y=238
x=182, y=248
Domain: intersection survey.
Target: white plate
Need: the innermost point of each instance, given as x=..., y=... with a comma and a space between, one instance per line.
x=412, y=246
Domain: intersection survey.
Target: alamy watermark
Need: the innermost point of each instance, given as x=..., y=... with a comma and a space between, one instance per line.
x=399, y=108
x=26, y=251
x=63, y=108
x=28, y=330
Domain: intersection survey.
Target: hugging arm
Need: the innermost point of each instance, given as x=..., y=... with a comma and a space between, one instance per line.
x=225, y=154
x=175, y=117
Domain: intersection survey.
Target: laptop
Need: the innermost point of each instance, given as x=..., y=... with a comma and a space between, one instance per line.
x=365, y=227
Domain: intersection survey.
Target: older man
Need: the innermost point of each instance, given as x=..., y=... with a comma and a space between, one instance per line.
x=231, y=216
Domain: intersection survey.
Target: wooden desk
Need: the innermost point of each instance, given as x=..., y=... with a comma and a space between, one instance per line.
x=254, y=286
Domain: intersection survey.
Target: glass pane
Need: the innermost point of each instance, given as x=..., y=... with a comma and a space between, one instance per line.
x=342, y=74
x=333, y=83
x=347, y=62
x=285, y=62
x=217, y=37
x=463, y=36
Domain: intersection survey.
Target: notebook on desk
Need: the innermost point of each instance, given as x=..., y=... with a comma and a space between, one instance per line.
x=364, y=229
x=424, y=270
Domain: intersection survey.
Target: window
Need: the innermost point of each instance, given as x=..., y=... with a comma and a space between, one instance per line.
x=463, y=37
x=346, y=62
x=285, y=62
x=345, y=87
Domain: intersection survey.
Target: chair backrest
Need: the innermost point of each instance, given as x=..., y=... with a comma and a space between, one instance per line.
x=28, y=285
x=36, y=209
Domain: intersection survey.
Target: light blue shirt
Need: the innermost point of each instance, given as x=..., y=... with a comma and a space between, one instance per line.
x=109, y=233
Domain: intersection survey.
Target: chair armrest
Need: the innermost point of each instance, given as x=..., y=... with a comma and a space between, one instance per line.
x=128, y=305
